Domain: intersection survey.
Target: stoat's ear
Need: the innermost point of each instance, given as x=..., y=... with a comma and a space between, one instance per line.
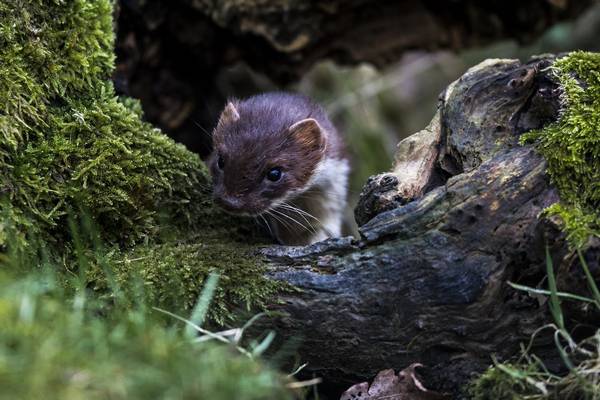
x=309, y=134
x=230, y=114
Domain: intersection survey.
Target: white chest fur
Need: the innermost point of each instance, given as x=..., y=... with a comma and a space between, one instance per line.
x=315, y=212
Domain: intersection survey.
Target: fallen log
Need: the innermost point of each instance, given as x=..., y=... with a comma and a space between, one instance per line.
x=441, y=234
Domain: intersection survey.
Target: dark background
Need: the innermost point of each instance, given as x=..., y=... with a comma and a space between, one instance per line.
x=377, y=67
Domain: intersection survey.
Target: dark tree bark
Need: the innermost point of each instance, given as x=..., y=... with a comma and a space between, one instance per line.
x=427, y=282
x=173, y=55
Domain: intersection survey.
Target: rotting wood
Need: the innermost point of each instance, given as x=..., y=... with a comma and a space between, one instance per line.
x=427, y=281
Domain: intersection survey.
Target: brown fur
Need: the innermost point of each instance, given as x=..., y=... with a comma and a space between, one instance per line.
x=275, y=130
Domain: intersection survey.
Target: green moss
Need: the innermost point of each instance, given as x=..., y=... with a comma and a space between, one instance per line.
x=68, y=142
x=123, y=218
x=171, y=274
x=529, y=379
x=69, y=146
x=571, y=146
x=503, y=382
x=53, y=346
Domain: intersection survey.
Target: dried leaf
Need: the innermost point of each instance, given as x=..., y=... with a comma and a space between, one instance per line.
x=389, y=386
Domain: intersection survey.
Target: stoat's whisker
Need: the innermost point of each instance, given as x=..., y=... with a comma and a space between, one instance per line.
x=310, y=226
x=302, y=214
x=267, y=223
x=207, y=133
x=286, y=207
x=290, y=218
x=298, y=210
x=284, y=223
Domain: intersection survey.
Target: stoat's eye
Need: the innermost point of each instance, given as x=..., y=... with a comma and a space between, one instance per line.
x=220, y=162
x=274, y=174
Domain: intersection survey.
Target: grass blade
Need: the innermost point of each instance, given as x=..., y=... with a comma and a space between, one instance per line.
x=564, y=295
x=554, y=300
x=201, y=308
x=590, y=279
x=263, y=345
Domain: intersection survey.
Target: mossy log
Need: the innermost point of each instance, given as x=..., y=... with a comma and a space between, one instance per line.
x=441, y=235
x=172, y=54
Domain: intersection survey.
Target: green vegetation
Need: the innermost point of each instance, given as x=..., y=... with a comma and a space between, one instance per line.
x=174, y=272
x=54, y=345
x=69, y=142
x=103, y=217
x=69, y=146
x=529, y=378
x=572, y=146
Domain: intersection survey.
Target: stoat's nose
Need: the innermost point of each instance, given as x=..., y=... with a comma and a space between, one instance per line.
x=230, y=203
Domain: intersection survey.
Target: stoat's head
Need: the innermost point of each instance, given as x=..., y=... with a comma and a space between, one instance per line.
x=262, y=157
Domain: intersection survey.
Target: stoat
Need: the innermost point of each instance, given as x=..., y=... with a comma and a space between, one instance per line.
x=277, y=156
